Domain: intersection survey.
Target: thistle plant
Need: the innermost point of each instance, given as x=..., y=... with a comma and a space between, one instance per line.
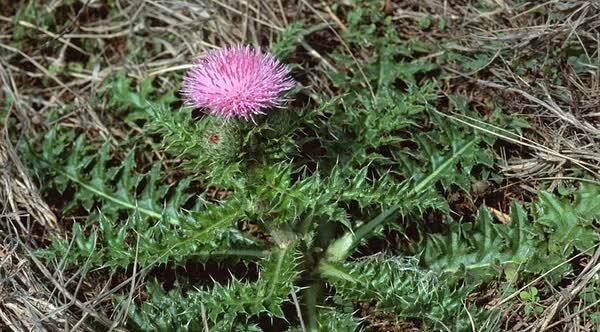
x=318, y=183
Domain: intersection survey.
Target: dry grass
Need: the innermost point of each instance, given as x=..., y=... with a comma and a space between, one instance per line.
x=28, y=301
x=566, y=116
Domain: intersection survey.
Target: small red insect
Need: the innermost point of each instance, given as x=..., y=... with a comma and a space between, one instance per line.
x=214, y=138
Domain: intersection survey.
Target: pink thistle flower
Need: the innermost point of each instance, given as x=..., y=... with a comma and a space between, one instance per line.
x=237, y=82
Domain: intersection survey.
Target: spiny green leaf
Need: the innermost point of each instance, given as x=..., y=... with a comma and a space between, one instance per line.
x=225, y=306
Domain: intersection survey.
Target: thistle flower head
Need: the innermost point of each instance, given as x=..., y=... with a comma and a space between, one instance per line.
x=237, y=82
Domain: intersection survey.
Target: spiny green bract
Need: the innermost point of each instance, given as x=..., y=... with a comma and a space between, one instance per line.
x=208, y=145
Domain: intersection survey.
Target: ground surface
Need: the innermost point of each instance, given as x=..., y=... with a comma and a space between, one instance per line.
x=437, y=168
